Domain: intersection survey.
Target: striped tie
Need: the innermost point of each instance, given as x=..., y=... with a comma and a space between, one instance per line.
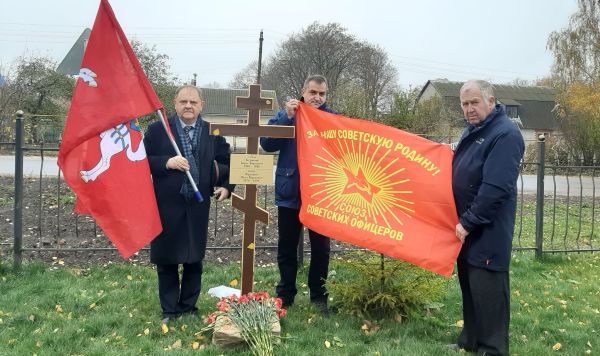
x=187, y=130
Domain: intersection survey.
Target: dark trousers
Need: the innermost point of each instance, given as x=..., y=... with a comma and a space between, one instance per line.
x=486, y=310
x=179, y=296
x=290, y=229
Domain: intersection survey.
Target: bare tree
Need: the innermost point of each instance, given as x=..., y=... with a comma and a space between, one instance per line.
x=41, y=92
x=576, y=75
x=319, y=49
x=376, y=76
x=155, y=65
x=245, y=77
x=577, y=48
x=360, y=75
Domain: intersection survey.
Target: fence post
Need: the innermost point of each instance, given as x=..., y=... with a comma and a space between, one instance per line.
x=18, y=218
x=539, y=200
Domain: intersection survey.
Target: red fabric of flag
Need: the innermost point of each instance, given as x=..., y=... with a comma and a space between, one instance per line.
x=102, y=155
x=377, y=187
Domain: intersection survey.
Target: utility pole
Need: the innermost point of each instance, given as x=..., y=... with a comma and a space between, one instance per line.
x=194, y=80
x=260, y=42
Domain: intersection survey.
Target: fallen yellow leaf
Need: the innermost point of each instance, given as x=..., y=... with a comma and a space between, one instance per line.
x=147, y=331
x=460, y=323
x=129, y=278
x=327, y=344
x=58, y=308
x=177, y=344
x=183, y=327
x=164, y=328
x=233, y=282
x=195, y=345
x=31, y=317
x=92, y=306
x=557, y=346
x=38, y=344
x=251, y=246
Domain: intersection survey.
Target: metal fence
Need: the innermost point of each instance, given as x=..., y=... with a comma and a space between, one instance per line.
x=557, y=212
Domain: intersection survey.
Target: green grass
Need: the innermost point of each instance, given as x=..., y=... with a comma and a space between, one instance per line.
x=567, y=223
x=106, y=310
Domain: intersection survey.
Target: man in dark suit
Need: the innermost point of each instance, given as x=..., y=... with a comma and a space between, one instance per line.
x=184, y=220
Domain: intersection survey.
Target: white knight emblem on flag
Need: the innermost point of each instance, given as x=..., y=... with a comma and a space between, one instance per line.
x=113, y=141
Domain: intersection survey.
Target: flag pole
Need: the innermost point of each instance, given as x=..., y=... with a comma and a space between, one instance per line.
x=197, y=193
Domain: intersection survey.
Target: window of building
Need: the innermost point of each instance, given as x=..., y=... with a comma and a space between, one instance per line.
x=512, y=111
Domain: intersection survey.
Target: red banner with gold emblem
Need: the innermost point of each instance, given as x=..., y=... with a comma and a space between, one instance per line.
x=377, y=187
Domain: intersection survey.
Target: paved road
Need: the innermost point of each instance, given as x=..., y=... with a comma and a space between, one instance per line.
x=31, y=166
x=572, y=185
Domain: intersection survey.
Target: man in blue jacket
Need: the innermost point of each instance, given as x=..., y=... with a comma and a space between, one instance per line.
x=485, y=169
x=287, y=199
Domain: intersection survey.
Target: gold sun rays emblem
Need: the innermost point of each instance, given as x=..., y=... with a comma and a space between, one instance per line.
x=353, y=176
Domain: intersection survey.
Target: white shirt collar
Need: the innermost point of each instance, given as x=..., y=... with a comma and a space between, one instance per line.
x=183, y=124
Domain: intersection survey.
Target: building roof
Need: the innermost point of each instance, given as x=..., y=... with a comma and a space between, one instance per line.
x=535, y=102
x=71, y=64
x=222, y=102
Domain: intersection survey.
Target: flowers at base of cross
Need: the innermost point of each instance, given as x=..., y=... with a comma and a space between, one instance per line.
x=254, y=315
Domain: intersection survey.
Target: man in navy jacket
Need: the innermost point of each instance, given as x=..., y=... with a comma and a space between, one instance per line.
x=287, y=199
x=485, y=169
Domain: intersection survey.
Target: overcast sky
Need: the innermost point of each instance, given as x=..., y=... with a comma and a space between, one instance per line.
x=426, y=39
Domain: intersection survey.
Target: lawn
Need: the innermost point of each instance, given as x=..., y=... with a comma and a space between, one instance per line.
x=569, y=223
x=113, y=310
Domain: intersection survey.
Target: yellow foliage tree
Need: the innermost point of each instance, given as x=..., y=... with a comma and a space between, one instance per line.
x=576, y=75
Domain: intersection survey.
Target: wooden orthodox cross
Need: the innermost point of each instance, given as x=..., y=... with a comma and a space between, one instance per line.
x=252, y=213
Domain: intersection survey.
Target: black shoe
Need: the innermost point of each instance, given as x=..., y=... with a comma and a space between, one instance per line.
x=193, y=312
x=322, y=307
x=286, y=302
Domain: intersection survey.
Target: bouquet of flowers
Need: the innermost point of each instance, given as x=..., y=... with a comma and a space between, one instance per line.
x=254, y=315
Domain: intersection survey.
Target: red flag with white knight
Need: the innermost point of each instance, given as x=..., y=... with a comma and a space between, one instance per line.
x=102, y=154
x=377, y=187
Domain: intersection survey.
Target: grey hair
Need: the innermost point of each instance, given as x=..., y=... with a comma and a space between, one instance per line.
x=179, y=89
x=317, y=78
x=486, y=89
